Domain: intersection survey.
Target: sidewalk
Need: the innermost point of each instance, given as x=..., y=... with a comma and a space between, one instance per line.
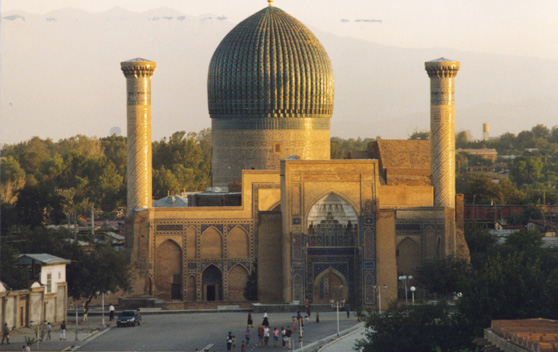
x=345, y=343
x=86, y=330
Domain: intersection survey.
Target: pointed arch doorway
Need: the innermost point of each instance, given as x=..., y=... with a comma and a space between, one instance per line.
x=212, y=282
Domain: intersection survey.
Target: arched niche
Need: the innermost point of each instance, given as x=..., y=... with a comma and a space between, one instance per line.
x=430, y=249
x=330, y=284
x=332, y=203
x=332, y=222
x=238, y=276
x=212, y=283
x=168, y=268
x=408, y=256
x=211, y=244
x=237, y=243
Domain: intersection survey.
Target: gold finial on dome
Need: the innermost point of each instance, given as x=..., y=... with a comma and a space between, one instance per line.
x=270, y=2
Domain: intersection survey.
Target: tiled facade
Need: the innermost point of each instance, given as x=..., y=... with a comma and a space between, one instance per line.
x=315, y=228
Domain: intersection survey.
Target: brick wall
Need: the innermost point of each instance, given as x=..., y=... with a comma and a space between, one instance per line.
x=270, y=278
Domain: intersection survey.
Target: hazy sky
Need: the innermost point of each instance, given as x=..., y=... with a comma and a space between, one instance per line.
x=511, y=27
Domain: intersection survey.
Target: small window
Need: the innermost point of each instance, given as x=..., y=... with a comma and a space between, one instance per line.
x=277, y=148
x=49, y=283
x=59, y=275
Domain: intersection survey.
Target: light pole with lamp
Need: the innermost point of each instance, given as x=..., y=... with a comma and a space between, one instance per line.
x=379, y=290
x=405, y=279
x=102, y=305
x=413, y=289
x=76, y=309
x=337, y=304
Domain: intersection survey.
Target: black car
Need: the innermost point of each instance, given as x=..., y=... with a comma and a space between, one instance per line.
x=129, y=317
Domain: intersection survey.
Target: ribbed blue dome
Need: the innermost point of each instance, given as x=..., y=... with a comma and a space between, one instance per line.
x=270, y=65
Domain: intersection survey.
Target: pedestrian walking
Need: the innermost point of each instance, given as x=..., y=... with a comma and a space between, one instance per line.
x=294, y=323
x=275, y=337
x=265, y=319
x=250, y=322
x=27, y=348
x=48, y=329
x=234, y=343
x=229, y=341
x=307, y=306
x=5, y=333
x=260, y=335
x=317, y=317
x=283, y=337
x=266, y=335
x=63, y=330
x=289, y=333
x=348, y=310
x=111, y=312
x=247, y=337
x=243, y=347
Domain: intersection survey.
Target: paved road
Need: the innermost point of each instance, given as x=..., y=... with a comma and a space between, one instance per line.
x=345, y=343
x=186, y=332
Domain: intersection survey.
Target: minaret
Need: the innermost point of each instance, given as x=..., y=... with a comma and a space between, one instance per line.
x=442, y=74
x=138, y=74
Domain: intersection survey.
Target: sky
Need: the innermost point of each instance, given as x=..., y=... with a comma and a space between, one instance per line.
x=501, y=27
x=509, y=27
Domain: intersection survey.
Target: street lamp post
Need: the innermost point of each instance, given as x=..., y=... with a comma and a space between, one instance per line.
x=102, y=306
x=337, y=304
x=76, y=309
x=379, y=289
x=413, y=289
x=405, y=279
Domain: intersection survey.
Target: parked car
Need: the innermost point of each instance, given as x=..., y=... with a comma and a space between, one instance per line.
x=129, y=317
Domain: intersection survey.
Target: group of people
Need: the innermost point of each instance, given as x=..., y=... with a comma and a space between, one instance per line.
x=281, y=336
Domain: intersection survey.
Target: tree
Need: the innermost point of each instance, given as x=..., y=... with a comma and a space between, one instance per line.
x=526, y=170
x=508, y=286
x=442, y=276
x=12, y=179
x=461, y=139
x=39, y=205
x=405, y=328
x=101, y=270
x=420, y=135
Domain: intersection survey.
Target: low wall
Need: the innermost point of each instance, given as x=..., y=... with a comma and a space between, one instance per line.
x=24, y=308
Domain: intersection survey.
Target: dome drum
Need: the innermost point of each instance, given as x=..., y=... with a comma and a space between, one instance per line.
x=270, y=96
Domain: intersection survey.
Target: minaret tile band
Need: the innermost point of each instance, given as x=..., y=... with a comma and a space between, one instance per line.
x=138, y=73
x=442, y=74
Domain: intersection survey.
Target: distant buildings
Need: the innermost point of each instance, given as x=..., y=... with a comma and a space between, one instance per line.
x=45, y=300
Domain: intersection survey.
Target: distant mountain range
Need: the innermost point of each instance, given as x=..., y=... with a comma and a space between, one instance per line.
x=60, y=76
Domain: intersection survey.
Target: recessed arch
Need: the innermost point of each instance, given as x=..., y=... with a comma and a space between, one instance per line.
x=238, y=244
x=238, y=276
x=408, y=256
x=275, y=207
x=212, y=282
x=168, y=268
x=332, y=223
x=211, y=244
x=330, y=284
x=323, y=197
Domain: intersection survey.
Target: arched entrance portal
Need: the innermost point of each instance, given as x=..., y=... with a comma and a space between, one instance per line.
x=168, y=278
x=212, y=281
x=408, y=256
x=330, y=285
